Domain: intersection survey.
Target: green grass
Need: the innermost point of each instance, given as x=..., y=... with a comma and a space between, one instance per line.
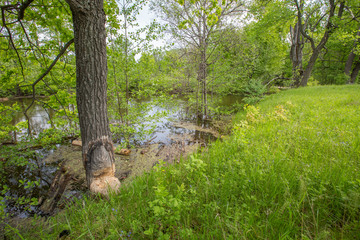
x=290, y=170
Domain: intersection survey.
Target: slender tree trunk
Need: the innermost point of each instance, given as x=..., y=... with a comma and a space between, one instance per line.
x=202, y=85
x=203, y=74
x=126, y=63
x=296, y=53
x=197, y=99
x=205, y=98
x=91, y=94
x=201, y=77
x=117, y=93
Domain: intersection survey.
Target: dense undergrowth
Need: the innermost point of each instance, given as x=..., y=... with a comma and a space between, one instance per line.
x=290, y=170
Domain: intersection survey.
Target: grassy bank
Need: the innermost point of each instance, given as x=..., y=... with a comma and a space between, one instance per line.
x=290, y=170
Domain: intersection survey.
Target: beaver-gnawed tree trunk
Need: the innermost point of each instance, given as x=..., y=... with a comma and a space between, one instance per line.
x=91, y=94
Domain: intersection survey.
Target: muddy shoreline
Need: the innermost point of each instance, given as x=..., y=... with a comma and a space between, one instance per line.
x=65, y=175
x=70, y=181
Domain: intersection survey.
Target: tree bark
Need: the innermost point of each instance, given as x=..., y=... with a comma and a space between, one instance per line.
x=91, y=94
x=201, y=77
x=355, y=72
x=310, y=65
x=351, y=57
x=349, y=63
x=296, y=53
x=126, y=62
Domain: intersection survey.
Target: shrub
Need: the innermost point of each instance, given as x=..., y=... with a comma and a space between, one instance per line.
x=253, y=91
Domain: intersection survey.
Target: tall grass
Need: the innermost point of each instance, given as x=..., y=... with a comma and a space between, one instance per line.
x=290, y=170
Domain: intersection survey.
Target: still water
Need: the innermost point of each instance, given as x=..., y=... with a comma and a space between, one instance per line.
x=166, y=122
x=158, y=117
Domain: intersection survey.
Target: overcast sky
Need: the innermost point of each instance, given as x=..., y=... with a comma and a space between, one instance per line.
x=146, y=17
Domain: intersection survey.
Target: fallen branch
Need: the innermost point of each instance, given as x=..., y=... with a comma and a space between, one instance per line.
x=147, y=142
x=161, y=147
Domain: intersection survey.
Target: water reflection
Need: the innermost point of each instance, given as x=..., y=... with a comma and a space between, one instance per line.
x=179, y=121
x=40, y=118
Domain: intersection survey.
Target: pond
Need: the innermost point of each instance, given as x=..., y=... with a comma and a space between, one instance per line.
x=175, y=130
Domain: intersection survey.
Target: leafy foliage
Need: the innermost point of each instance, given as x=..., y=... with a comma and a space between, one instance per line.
x=273, y=166
x=289, y=169
x=253, y=92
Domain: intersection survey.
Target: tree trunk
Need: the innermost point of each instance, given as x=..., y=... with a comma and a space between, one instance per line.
x=91, y=94
x=350, y=60
x=202, y=74
x=296, y=53
x=355, y=72
x=117, y=93
x=349, y=63
x=316, y=50
x=202, y=83
x=310, y=66
x=126, y=66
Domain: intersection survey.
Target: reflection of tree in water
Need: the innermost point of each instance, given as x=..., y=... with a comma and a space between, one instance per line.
x=40, y=117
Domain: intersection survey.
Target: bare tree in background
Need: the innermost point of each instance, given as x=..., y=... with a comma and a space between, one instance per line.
x=195, y=24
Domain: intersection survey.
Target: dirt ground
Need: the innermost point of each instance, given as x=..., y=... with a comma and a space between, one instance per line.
x=69, y=181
